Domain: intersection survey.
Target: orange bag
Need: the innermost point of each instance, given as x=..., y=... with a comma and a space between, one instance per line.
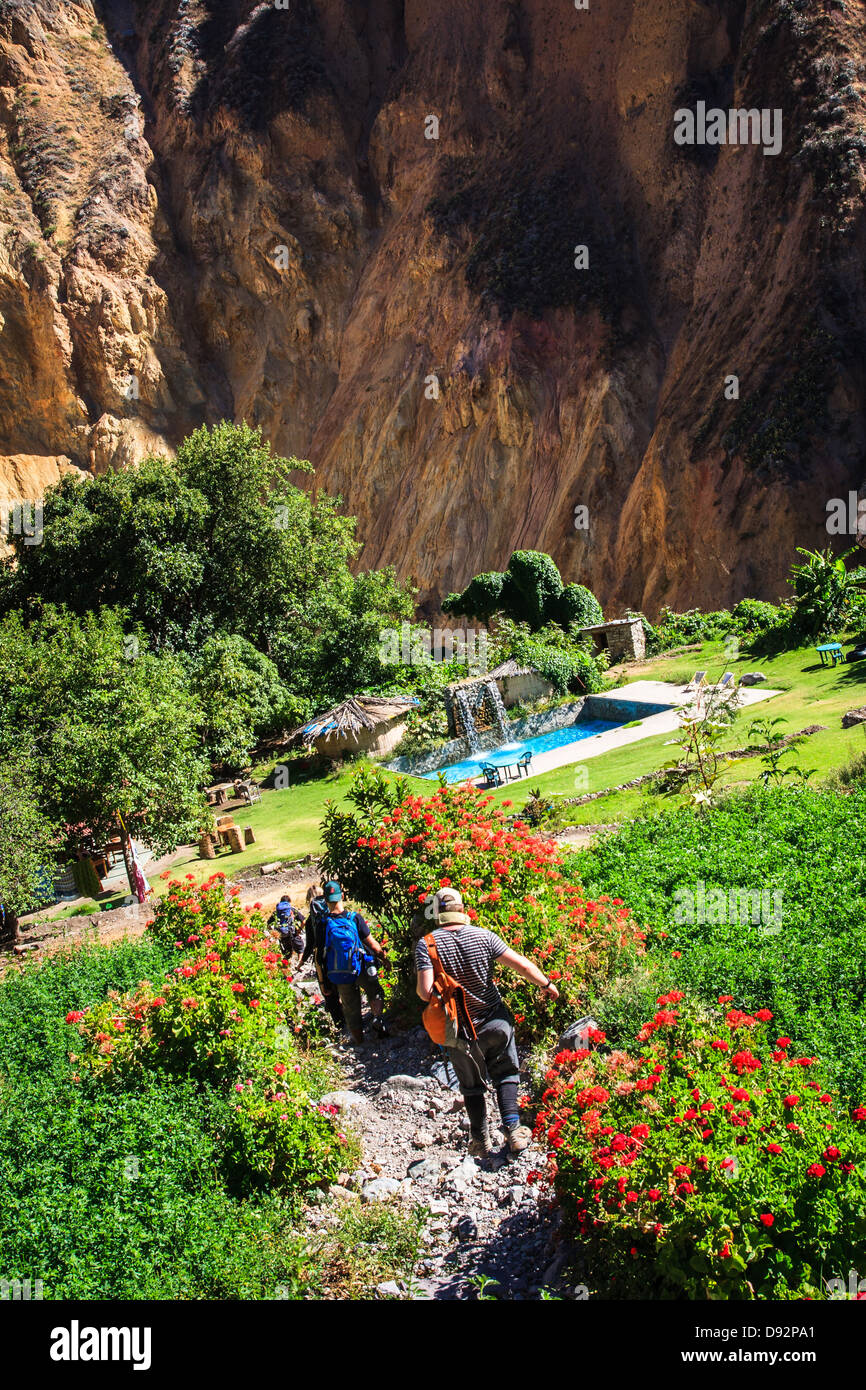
x=446, y=1017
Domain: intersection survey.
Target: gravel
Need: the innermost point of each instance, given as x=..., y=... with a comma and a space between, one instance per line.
x=484, y=1218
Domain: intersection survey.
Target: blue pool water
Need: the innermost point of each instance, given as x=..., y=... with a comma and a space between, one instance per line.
x=542, y=743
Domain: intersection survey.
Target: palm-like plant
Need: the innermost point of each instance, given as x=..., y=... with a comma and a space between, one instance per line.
x=825, y=590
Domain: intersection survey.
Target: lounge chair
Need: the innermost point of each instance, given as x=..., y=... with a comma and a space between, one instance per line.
x=726, y=683
x=698, y=679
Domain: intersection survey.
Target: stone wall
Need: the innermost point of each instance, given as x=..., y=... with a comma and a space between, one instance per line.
x=624, y=638
x=523, y=688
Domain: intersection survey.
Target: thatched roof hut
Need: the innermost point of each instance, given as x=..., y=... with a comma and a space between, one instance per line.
x=362, y=723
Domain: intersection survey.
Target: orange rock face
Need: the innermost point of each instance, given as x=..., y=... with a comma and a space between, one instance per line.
x=454, y=255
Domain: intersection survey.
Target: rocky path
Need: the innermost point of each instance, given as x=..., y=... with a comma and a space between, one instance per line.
x=484, y=1218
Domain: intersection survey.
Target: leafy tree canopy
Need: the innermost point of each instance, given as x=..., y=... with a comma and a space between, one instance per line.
x=27, y=837
x=529, y=591
x=113, y=727
x=216, y=539
x=241, y=698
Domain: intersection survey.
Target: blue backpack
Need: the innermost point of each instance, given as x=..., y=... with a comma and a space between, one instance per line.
x=343, y=954
x=285, y=914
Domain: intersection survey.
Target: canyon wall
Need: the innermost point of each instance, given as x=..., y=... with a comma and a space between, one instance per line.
x=355, y=223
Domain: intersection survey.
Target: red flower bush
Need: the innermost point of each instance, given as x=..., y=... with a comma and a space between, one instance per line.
x=225, y=1012
x=394, y=850
x=698, y=1166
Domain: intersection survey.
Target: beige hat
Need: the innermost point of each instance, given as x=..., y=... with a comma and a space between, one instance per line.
x=448, y=907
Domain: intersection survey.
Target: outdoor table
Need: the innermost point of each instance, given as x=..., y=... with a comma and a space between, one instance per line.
x=833, y=651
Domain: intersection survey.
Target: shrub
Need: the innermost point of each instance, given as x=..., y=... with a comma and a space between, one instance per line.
x=124, y=1192
x=394, y=850
x=679, y=629
x=226, y=1014
x=715, y=1162
x=226, y=1007
x=751, y=616
x=577, y=605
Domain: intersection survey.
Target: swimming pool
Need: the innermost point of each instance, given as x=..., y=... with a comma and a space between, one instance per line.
x=542, y=743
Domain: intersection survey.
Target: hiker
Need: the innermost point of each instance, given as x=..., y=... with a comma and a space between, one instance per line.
x=468, y=954
x=286, y=921
x=315, y=948
x=350, y=950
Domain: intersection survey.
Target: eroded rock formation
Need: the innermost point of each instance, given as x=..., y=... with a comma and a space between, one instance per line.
x=216, y=208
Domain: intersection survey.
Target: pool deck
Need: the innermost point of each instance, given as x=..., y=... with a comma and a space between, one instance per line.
x=639, y=692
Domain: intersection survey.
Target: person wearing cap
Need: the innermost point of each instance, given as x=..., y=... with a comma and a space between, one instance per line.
x=469, y=954
x=368, y=980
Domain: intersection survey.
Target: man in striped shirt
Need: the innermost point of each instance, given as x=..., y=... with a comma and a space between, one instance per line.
x=469, y=954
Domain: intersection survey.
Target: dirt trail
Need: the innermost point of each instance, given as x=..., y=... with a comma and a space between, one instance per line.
x=485, y=1218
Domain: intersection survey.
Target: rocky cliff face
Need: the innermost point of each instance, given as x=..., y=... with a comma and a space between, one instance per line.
x=355, y=222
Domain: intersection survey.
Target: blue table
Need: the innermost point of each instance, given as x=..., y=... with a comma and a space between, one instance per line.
x=832, y=651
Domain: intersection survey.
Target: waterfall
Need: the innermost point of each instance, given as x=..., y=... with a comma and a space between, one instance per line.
x=471, y=698
x=462, y=703
x=498, y=710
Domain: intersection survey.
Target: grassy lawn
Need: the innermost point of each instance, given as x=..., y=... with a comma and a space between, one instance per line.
x=285, y=824
x=811, y=694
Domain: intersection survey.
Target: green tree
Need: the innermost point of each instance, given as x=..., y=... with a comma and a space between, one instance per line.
x=114, y=726
x=532, y=587
x=216, y=539
x=578, y=607
x=529, y=591
x=481, y=598
x=27, y=842
x=241, y=697
x=346, y=658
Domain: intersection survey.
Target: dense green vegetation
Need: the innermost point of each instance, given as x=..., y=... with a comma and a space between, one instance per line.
x=135, y=1190
x=808, y=964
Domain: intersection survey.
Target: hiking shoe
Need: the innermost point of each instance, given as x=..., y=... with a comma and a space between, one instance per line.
x=518, y=1139
x=480, y=1148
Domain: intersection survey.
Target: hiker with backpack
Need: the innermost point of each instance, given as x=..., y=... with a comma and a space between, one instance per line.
x=350, y=952
x=315, y=949
x=286, y=921
x=465, y=1013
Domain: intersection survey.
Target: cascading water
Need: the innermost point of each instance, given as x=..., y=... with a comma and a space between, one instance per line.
x=498, y=709
x=466, y=713
x=471, y=700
